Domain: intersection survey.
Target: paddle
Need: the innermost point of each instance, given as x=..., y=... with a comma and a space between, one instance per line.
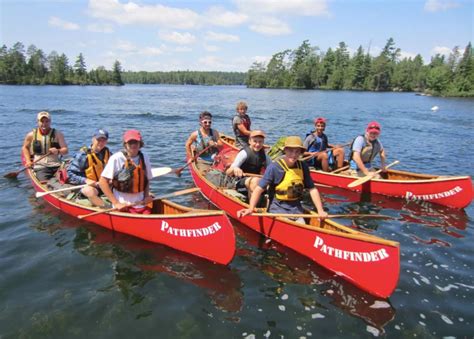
x=370, y=176
x=295, y=215
x=156, y=172
x=326, y=150
x=71, y=188
x=179, y=170
x=166, y=196
x=13, y=175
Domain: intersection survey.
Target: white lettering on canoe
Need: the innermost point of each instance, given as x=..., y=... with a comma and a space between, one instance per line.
x=190, y=233
x=409, y=196
x=378, y=255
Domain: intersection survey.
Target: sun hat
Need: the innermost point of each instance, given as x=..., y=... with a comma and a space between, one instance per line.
x=373, y=127
x=43, y=114
x=320, y=120
x=101, y=133
x=132, y=134
x=257, y=133
x=294, y=142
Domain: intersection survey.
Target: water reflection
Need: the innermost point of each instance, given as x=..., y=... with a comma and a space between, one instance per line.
x=136, y=262
x=288, y=267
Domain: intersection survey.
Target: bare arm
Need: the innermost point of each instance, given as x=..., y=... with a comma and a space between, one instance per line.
x=243, y=129
x=25, y=149
x=316, y=198
x=63, y=150
x=382, y=159
x=257, y=193
x=356, y=157
x=192, y=138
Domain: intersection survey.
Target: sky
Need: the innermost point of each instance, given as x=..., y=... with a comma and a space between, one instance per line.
x=203, y=35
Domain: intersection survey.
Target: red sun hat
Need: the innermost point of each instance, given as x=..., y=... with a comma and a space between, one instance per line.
x=320, y=120
x=373, y=127
x=132, y=134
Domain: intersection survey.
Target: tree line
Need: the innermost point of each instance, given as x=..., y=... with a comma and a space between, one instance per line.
x=307, y=67
x=37, y=68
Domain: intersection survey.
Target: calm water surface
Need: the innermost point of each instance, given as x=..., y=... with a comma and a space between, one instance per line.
x=61, y=277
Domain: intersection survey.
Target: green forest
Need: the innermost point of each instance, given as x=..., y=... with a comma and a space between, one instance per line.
x=307, y=67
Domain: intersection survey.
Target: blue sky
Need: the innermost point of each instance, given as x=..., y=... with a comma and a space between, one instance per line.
x=229, y=35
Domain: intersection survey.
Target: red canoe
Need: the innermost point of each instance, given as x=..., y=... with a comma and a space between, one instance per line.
x=369, y=262
x=451, y=191
x=206, y=234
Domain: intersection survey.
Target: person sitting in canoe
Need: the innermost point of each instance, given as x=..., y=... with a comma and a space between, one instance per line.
x=241, y=125
x=87, y=166
x=126, y=177
x=317, y=143
x=364, y=149
x=287, y=178
x=251, y=159
x=46, y=143
x=205, y=141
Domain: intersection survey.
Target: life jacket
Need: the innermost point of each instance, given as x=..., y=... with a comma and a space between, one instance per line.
x=132, y=177
x=42, y=143
x=241, y=139
x=291, y=187
x=95, y=165
x=255, y=162
x=202, y=142
x=320, y=143
x=368, y=152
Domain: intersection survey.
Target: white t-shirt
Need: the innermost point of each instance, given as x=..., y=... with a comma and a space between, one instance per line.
x=114, y=165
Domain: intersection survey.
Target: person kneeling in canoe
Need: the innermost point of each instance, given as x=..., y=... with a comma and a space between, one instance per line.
x=287, y=178
x=125, y=179
x=317, y=145
x=364, y=149
x=205, y=141
x=251, y=159
x=87, y=166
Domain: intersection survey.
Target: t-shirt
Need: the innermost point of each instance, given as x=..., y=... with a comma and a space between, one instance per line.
x=358, y=145
x=114, y=165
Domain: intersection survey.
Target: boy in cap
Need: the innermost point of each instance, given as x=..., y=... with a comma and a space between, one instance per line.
x=87, y=167
x=364, y=149
x=287, y=178
x=126, y=177
x=251, y=159
x=316, y=144
x=42, y=141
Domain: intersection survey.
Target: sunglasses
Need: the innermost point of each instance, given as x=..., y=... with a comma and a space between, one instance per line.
x=206, y=122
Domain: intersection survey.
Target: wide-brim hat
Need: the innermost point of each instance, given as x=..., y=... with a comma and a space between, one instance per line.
x=294, y=142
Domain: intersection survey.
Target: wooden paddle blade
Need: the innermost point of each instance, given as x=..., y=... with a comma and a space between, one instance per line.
x=175, y=194
x=157, y=172
x=11, y=175
x=370, y=177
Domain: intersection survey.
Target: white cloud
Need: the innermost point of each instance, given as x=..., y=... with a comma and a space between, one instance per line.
x=213, y=36
x=219, y=16
x=149, y=51
x=154, y=15
x=177, y=38
x=440, y=5
x=211, y=48
x=441, y=50
x=183, y=49
x=57, y=22
x=270, y=26
x=292, y=7
x=125, y=46
x=100, y=28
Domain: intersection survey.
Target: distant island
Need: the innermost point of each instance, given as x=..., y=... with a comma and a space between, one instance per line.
x=306, y=67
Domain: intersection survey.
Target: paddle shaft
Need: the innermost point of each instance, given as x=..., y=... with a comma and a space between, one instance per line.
x=326, y=150
x=72, y=188
x=170, y=195
x=15, y=174
x=295, y=215
x=179, y=170
x=370, y=177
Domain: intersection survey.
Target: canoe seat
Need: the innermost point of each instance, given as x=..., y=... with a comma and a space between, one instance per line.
x=235, y=194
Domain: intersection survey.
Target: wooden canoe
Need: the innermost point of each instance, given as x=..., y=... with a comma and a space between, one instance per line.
x=369, y=262
x=203, y=233
x=451, y=191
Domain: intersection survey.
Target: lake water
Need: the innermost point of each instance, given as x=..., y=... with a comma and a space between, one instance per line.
x=61, y=277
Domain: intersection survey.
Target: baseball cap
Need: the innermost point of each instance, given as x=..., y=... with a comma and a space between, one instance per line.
x=101, y=133
x=132, y=134
x=373, y=127
x=320, y=120
x=257, y=133
x=43, y=114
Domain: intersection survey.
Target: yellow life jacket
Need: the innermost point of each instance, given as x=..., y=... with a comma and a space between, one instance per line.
x=291, y=187
x=42, y=143
x=95, y=165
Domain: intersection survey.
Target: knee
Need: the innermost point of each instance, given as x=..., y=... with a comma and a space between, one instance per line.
x=89, y=191
x=323, y=156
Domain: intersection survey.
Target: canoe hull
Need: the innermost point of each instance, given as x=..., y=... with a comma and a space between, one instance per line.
x=371, y=263
x=206, y=234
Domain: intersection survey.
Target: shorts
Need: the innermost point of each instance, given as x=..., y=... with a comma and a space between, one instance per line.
x=45, y=173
